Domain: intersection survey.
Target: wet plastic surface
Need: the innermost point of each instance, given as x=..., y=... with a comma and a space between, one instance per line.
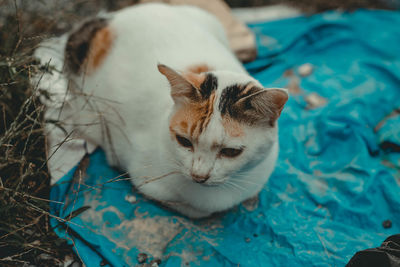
x=337, y=177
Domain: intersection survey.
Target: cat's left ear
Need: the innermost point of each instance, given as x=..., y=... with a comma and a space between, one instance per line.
x=264, y=106
x=182, y=90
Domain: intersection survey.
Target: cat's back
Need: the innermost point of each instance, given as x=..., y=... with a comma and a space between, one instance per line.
x=144, y=35
x=180, y=35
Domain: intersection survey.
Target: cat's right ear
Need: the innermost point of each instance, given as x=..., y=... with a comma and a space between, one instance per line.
x=182, y=91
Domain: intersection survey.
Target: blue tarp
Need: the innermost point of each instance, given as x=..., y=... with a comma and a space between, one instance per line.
x=337, y=177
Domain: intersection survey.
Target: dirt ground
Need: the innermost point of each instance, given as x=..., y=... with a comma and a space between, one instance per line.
x=26, y=238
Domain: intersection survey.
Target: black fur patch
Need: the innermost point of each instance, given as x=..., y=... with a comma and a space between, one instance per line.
x=78, y=44
x=209, y=85
x=252, y=104
x=230, y=95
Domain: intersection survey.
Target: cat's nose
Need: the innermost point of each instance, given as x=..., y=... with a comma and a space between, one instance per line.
x=200, y=178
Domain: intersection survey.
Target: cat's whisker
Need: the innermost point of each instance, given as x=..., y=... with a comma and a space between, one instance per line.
x=233, y=186
x=121, y=178
x=237, y=186
x=156, y=178
x=223, y=186
x=173, y=160
x=246, y=182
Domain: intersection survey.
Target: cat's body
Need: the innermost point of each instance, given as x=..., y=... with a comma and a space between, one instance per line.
x=209, y=149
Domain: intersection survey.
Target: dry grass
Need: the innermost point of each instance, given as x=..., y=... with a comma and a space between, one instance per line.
x=25, y=234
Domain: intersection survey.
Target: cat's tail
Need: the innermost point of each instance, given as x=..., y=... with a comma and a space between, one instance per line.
x=86, y=46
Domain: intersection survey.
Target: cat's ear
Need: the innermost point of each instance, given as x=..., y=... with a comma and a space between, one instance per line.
x=182, y=90
x=264, y=106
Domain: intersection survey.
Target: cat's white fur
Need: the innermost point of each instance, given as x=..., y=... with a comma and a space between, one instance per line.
x=125, y=106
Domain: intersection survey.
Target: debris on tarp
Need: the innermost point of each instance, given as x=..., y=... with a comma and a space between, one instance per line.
x=314, y=100
x=305, y=69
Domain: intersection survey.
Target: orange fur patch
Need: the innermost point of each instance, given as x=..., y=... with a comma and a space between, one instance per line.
x=232, y=127
x=199, y=68
x=193, y=118
x=184, y=126
x=99, y=49
x=195, y=74
x=195, y=79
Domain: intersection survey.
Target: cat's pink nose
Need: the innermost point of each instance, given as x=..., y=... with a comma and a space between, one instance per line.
x=200, y=178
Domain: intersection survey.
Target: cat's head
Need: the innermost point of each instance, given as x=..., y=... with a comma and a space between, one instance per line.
x=221, y=122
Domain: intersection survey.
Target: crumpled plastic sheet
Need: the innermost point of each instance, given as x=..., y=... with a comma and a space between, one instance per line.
x=337, y=178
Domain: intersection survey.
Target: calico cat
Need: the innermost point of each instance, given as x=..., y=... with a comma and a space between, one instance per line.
x=158, y=88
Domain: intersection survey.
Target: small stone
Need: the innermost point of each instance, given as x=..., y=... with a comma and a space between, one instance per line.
x=387, y=224
x=155, y=263
x=294, y=85
x=314, y=100
x=255, y=235
x=141, y=257
x=247, y=239
x=130, y=198
x=288, y=73
x=305, y=69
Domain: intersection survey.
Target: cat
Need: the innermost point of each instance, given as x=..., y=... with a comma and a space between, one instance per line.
x=158, y=88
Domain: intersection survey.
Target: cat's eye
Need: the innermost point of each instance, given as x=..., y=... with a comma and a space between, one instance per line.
x=230, y=152
x=184, y=141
